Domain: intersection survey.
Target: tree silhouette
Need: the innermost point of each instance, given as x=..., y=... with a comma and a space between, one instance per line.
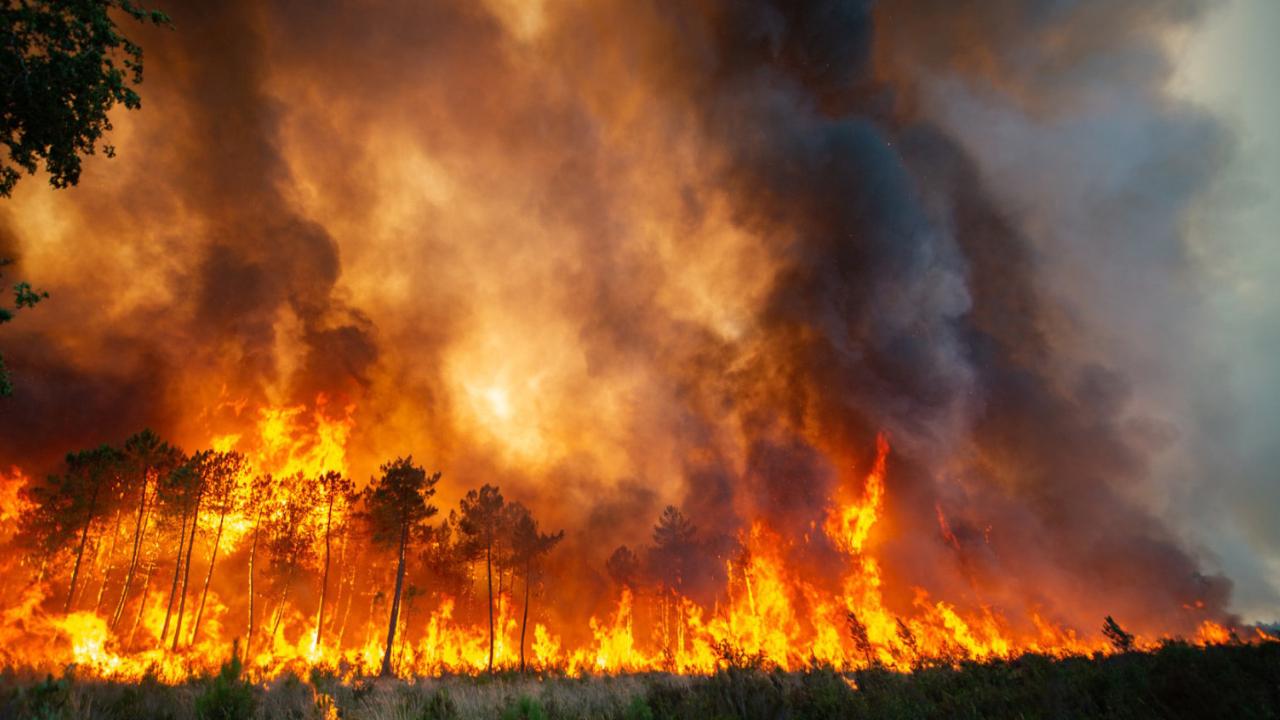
x=527, y=546
x=50, y=525
x=65, y=65
x=674, y=538
x=184, y=492
x=23, y=297
x=93, y=476
x=445, y=558
x=397, y=508
x=1121, y=640
x=623, y=567
x=258, y=504
x=337, y=491
x=147, y=459
x=480, y=522
x=291, y=534
x=64, y=507
x=222, y=471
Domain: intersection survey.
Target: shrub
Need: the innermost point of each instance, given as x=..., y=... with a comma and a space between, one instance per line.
x=46, y=700
x=638, y=709
x=439, y=707
x=524, y=708
x=228, y=696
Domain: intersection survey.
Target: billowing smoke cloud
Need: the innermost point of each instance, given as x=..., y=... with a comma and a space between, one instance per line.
x=628, y=254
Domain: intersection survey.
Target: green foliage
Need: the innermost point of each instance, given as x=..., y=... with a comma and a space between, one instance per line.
x=24, y=297
x=63, y=505
x=527, y=544
x=524, y=708
x=397, y=503
x=638, y=710
x=65, y=65
x=227, y=696
x=481, y=520
x=439, y=706
x=47, y=700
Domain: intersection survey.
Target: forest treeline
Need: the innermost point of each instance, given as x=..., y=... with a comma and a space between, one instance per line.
x=122, y=522
x=133, y=528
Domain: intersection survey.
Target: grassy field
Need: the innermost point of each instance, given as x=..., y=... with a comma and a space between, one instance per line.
x=1176, y=681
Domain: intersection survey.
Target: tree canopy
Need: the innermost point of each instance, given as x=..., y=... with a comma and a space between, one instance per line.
x=65, y=65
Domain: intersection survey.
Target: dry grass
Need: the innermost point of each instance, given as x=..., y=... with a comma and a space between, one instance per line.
x=1175, y=681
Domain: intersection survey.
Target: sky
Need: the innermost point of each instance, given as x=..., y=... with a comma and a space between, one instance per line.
x=1230, y=65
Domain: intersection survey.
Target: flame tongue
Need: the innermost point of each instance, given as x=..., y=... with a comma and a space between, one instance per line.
x=771, y=610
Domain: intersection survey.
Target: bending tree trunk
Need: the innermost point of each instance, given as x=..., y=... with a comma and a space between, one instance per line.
x=186, y=573
x=138, y=526
x=524, y=621
x=84, y=537
x=488, y=566
x=324, y=582
x=204, y=594
x=177, y=573
x=395, y=604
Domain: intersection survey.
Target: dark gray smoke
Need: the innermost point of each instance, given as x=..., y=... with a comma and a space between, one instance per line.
x=945, y=201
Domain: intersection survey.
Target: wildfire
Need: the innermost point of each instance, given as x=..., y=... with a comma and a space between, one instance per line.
x=770, y=613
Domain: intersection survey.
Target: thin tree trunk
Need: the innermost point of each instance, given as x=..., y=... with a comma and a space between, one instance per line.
x=488, y=566
x=138, y=528
x=524, y=621
x=341, y=596
x=404, y=632
x=84, y=536
x=395, y=604
x=186, y=573
x=92, y=561
x=346, y=614
x=111, y=563
x=204, y=594
x=142, y=604
x=177, y=573
x=324, y=582
x=284, y=595
x=253, y=551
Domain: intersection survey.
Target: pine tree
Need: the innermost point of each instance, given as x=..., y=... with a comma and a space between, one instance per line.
x=480, y=521
x=222, y=471
x=397, y=507
x=528, y=546
x=336, y=492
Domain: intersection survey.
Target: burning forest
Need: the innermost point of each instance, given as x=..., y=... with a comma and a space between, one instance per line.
x=423, y=338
